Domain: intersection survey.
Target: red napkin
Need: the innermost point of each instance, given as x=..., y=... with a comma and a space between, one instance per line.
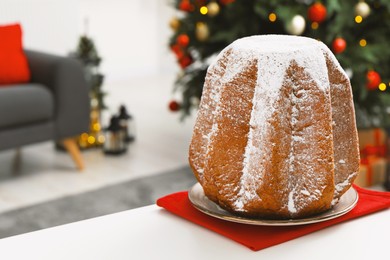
x=260, y=237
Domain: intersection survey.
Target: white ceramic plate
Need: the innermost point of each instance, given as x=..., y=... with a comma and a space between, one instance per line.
x=196, y=195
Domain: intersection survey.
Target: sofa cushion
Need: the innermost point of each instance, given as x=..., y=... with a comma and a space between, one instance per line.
x=25, y=104
x=13, y=62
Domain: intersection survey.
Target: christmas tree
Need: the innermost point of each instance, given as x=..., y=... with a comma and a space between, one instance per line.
x=356, y=31
x=87, y=53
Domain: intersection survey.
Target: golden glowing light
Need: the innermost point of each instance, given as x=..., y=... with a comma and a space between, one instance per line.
x=363, y=42
x=358, y=18
x=94, y=114
x=96, y=126
x=101, y=139
x=84, y=136
x=204, y=10
x=272, y=17
x=314, y=25
x=91, y=139
x=382, y=86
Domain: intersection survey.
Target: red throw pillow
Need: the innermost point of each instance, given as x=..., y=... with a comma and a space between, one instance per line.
x=13, y=62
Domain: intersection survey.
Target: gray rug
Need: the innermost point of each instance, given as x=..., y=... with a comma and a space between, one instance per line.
x=115, y=198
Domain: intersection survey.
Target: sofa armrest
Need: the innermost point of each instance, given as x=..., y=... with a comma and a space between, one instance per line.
x=65, y=77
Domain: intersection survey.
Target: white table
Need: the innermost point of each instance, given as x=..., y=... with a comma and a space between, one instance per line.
x=153, y=233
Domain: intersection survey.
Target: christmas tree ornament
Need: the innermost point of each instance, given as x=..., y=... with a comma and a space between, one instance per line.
x=362, y=9
x=183, y=40
x=317, y=13
x=382, y=87
x=358, y=19
x=174, y=23
x=272, y=17
x=185, y=61
x=296, y=26
x=202, y=31
x=174, y=106
x=204, y=10
x=195, y=101
x=177, y=50
x=213, y=8
x=339, y=45
x=349, y=72
x=314, y=25
x=373, y=79
x=186, y=6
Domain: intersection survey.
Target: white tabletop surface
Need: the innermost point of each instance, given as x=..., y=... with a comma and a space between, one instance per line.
x=153, y=233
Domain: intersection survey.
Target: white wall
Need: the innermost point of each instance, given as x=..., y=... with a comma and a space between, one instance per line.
x=48, y=25
x=131, y=35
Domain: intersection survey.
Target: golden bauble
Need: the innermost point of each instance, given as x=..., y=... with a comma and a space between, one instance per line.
x=202, y=31
x=213, y=8
x=174, y=23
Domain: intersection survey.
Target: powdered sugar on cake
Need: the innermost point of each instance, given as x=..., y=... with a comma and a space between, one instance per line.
x=291, y=203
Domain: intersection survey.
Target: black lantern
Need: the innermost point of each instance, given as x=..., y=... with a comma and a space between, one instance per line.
x=126, y=121
x=114, y=138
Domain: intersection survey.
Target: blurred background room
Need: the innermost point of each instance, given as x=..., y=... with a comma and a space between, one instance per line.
x=144, y=63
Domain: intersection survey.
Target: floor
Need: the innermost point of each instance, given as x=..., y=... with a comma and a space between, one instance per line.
x=161, y=144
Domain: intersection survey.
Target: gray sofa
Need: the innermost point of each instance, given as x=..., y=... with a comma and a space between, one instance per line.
x=53, y=106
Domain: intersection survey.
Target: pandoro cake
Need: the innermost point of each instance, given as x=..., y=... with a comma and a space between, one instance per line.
x=275, y=135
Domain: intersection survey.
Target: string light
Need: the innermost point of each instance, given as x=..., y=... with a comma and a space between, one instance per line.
x=363, y=42
x=91, y=139
x=382, y=86
x=204, y=10
x=358, y=18
x=101, y=139
x=96, y=126
x=84, y=136
x=272, y=17
x=314, y=25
